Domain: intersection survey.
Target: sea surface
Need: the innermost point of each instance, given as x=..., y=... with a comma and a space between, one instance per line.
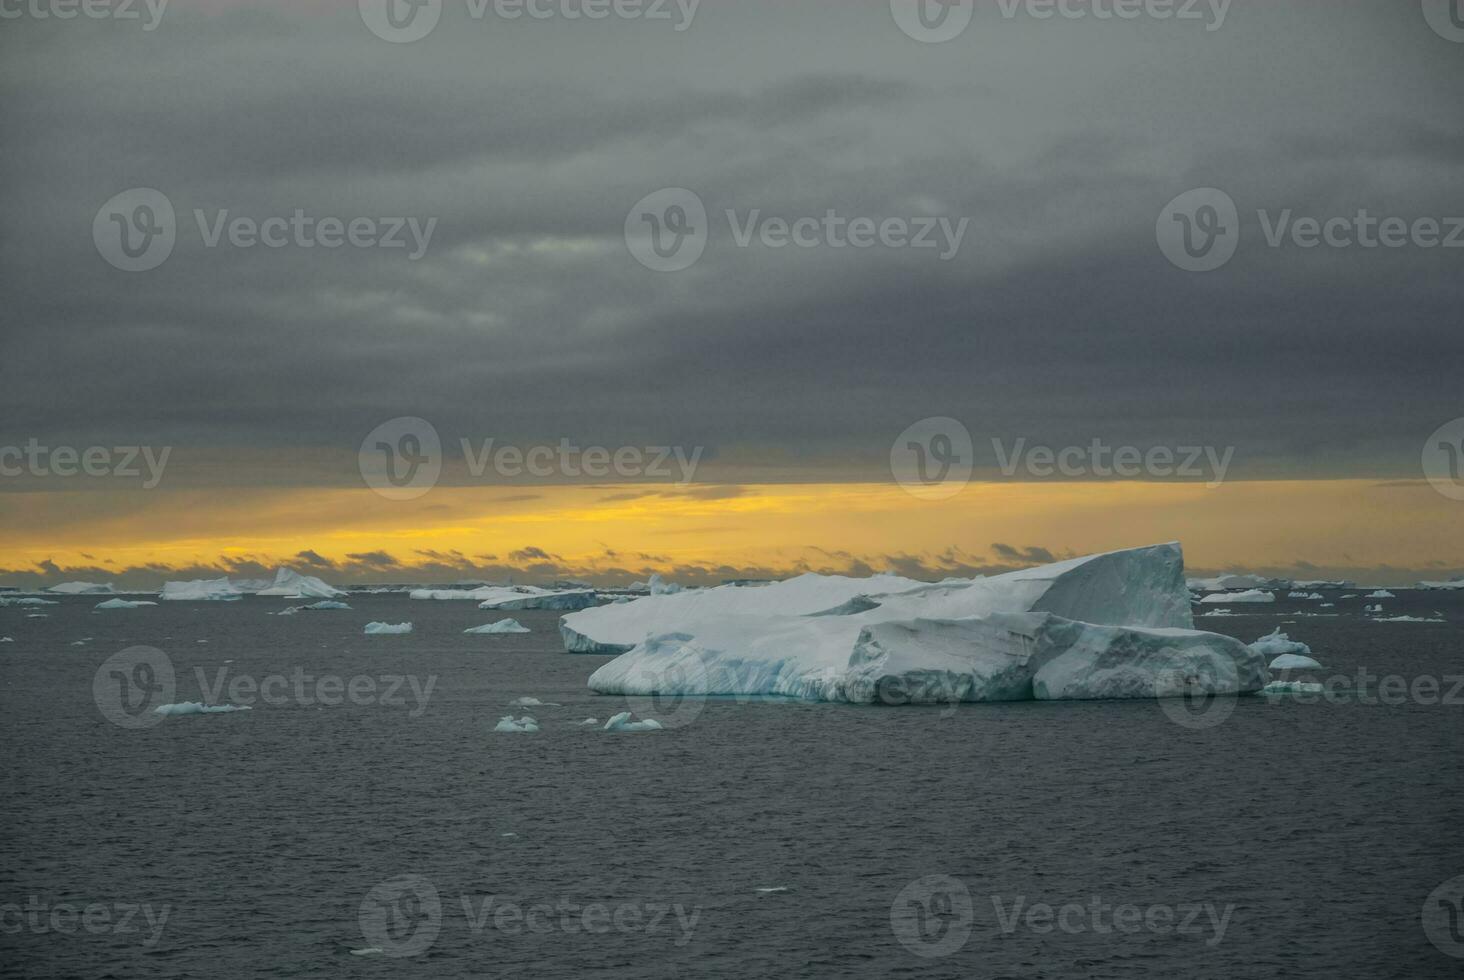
x=367, y=821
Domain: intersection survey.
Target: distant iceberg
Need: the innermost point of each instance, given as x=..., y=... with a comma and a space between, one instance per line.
x=1436, y=618
x=521, y=726
x=1440, y=586
x=1222, y=583
x=196, y=708
x=292, y=585
x=1317, y=596
x=387, y=629
x=82, y=588
x=1107, y=626
x=502, y=626
x=622, y=723
x=1380, y=594
x=124, y=604
x=1253, y=595
x=202, y=589
x=324, y=605
x=27, y=601
x=513, y=597
x=1292, y=687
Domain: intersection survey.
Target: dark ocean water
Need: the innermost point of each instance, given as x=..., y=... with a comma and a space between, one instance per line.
x=905, y=841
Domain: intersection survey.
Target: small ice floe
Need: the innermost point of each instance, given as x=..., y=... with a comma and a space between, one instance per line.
x=28, y=601
x=1291, y=687
x=1305, y=595
x=385, y=629
x=1380, y=594
x=522, y=726
x=509, y=834
x=320, y=606
x=1289, y=654
x=1352, y=596
x=78, y=643
x=200, y=641
x=588, y=721
x=1217, y=612
x=775, y=890
x=197, y=708
x=124, y=604
x=622, y=723
x=1250, y=595
x=37, y=616
x=502, y=626
x=1437, y=618
x=1373, y=609
x=6, y=639
x=527, y=702
x=367, y=951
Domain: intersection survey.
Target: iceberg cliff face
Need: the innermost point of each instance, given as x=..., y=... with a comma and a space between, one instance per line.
x=1114, y=625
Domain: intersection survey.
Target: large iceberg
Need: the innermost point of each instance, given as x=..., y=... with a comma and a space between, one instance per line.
x=513, y=597
x=82, y=588
x=215, y=589
x=1108, y=626
x=292, y=585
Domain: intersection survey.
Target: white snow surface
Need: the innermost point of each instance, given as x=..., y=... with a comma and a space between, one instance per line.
x=1252, y=595
x=1107, y=626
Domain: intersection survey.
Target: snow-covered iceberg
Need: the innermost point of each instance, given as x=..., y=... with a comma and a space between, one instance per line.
x=1441, y=586
x=1380, y=594
x=202, y=589
x=387, y=629
x=124, y=604
x=82, y=588
x=1114, y=625
x=516, y=597
x=1289, y=654
x=27, y=601
x=292, y=585
x=1252, y=595
x=502, y=626
x=1222, y=583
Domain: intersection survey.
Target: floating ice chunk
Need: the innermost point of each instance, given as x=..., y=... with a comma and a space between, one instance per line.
x=6, y=639
x=368, y=951
x=527, y=702
x=1380, y=594
x=124, y=604
x=1290, y=654
x=1253, y=595
x=387, y=629
x=197, y=708
x=82, y=588
x=521, y=726
x=321, y=606
x=290, y=584
x=1436, y=618
x=1440, y=586
x=28, y=601
x=622, y=723
x=1305, y=595
x=1373, y=609
x=588, y=721
x=1292, y=687
x=774, y=890
x=517, y=597
x=214, y=590
x=502, y=626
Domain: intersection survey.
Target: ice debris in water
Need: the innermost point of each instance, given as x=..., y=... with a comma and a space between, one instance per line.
x=124, y=604
x=522, y=726
x=528, y=702
x=197, y=708
x=386, y=629
x=502, y=626
x=1288, y=653
x=1291, y=687
x=622, y=723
